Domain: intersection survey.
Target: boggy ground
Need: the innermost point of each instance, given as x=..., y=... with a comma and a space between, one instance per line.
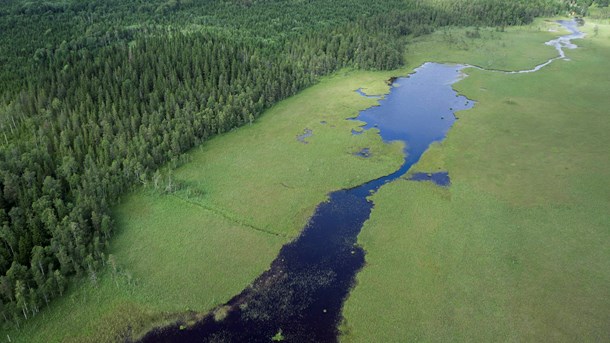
x=517, y=248
x=246, y=193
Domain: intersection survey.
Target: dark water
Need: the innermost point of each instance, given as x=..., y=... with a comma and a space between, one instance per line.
x=302, y=293
x=440, y=179
x=366, y=153
x=361, y=92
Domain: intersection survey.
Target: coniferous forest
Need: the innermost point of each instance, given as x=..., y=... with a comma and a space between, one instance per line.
x=96, y=96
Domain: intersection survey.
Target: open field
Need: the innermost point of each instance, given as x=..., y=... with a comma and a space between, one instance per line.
x=517, y=248
x=248, y=192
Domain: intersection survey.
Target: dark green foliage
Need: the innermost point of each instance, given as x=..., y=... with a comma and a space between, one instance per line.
x=581, y=7
x=97, y=95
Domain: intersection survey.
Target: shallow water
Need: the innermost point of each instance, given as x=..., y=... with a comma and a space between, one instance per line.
x=366, y=153
x=303, y=291
x=361, y=92
x=440, y=179
x=306, y=134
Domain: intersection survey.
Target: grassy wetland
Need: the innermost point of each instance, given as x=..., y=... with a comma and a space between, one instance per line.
x=515, y=249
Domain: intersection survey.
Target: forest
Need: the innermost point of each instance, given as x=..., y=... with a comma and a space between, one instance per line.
x=97, y=96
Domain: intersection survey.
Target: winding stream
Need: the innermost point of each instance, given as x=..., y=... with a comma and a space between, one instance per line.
x=302, y=293
x=560, y=43
x=563, y=42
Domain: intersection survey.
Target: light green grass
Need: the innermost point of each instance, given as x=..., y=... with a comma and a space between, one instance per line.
x=249, y=192
x=518, y=248
x=514, y=49
x=264, y=176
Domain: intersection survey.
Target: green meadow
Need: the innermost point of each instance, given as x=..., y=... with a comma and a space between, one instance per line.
x=516, y=249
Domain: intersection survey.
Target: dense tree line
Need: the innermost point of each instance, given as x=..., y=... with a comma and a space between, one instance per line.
x=581, y=7
x=97, y=95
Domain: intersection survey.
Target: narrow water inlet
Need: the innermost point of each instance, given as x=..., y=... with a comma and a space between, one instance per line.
x=302, y=293
x=361, y=92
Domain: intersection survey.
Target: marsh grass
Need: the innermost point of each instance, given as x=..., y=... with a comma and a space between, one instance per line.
x=487, y=253
x=492, y=49
x=517, y=248
x=221, y=313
